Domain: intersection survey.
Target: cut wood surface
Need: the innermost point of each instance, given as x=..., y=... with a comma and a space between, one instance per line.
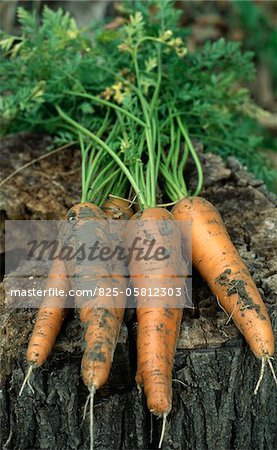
x=215, y=373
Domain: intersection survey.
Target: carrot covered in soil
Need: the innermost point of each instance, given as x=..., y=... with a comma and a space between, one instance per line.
x=103, y=324
x=93, y=275
x=219, y=263
x=158, y=326
x=49, y=320
x=213, y=253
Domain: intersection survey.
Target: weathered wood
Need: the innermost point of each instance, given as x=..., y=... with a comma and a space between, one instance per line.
x=215, y=407
x=213, y=403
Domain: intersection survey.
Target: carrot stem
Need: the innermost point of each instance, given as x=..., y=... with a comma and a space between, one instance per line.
x=99, y=141
x=194, y=156
x=159, y=79
x=105, y=182
x=181, y=169
x=150, y=185
x=170, y=182
x=101, y=101
x=159, y=152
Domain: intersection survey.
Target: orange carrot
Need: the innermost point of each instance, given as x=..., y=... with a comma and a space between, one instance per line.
x=219, y=263
x=103, y=324
x=91, y=275
x=49, y=320
x=158, y=327
x=117, y=208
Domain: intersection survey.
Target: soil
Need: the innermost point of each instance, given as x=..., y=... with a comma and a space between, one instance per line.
x=214, y=374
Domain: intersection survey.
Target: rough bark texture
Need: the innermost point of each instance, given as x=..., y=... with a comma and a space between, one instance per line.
x=215, y=373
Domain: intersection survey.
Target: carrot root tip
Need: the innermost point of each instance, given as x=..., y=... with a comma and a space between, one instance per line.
x=151, y=428
x=27, y=380
x=85, y=409
x=272, y=368
x=163, y=430
x=91, y=397
x=89, y=400
x=265, y=359
x=179, y=381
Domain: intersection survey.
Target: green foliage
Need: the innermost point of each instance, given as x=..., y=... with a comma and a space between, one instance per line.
x=50, y=59
x=261, y=33
x=50, y=65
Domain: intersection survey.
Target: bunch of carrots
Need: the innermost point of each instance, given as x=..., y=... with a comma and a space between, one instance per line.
x=152, y=153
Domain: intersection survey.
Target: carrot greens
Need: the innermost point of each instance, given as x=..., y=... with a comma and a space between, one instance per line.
x=139, y=71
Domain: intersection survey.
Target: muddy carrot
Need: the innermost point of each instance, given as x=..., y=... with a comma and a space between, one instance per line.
x=103, y=324
x=219, y=263
x=158, y=326
x=214, y=255
x=49, y=320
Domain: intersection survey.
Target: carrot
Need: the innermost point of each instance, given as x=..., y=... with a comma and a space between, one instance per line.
x=95, y=274
x=92, y=275
x=50, y=318
x=219, y=263
x=103, y=324
x=158, y=327
x=117, y=208
x=50, y=315
x=49, y=321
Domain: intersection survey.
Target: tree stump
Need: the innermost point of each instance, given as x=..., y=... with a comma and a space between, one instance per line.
x=215, y=373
